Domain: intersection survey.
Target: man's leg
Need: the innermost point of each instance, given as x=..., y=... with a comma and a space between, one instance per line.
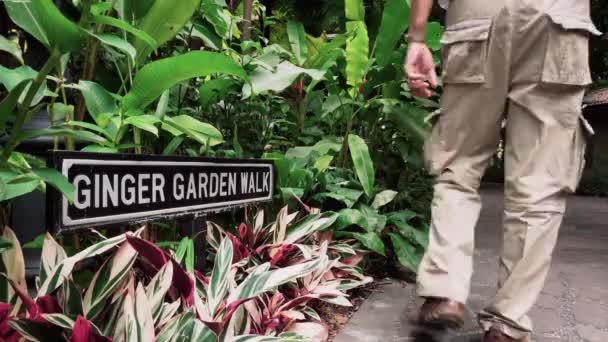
x=544, y=159
x=461, y=146
x=545, y=147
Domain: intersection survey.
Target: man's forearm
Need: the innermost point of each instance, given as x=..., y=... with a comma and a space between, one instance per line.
x=421, y=9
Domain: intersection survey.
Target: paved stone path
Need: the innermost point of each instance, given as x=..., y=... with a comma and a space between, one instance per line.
x=573, y=306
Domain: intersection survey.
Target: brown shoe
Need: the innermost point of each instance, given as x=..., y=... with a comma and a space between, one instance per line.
x=494, y=335
x=442, y=313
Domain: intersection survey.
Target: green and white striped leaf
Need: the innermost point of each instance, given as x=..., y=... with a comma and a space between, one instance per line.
x=34, y=331
x=173, y=330
x=309, y=225
x=64, y=269
x=283, y=220
x=157, y=289
x=72, y=299
x=52, y=255
x=202, y=333
x=138, y=316
x=284, y=337
x=166, y=313
x=14, y=268
x=259, y=222
x=67, y=322
x=59, y=320
x=261, y=279
x=220, y=279
x=107, y=280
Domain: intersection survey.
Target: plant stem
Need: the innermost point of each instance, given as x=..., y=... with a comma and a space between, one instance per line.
x=23, y=111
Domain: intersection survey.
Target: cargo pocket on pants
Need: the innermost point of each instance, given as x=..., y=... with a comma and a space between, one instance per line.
x=567, y=51
x=465, y=51
x=584, y=132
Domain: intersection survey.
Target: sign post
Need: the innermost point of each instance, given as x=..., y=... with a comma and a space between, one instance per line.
x=125, y=188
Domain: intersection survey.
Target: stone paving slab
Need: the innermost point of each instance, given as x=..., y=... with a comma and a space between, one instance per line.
x=573, y=306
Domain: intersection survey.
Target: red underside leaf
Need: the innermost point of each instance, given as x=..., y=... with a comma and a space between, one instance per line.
x=158, y=258
x=240, y=251
x=82, y=331
x=7, y=333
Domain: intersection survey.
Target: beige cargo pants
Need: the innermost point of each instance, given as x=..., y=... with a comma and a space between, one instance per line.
x=526, y=61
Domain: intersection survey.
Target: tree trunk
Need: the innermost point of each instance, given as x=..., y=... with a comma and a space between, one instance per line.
x=247, y=14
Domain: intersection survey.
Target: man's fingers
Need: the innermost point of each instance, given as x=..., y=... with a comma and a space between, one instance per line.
x=412, y=73
x=433, y=79
x=417, y=84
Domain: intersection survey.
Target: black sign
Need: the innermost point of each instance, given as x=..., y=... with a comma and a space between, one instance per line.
x=117, y=188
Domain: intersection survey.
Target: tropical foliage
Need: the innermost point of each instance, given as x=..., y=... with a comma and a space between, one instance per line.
x=318, y=91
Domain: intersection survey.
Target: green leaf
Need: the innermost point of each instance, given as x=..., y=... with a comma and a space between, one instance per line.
x=189, y=263
x=395, y=20
x=12, y=78
x=349, y=217
x=14, y=185
x=173, y=145
x=60, y=111
x=297, y=40
x=43, y=20
x=384, y=198
x=220, y=276
x=202, y=132
x=144, y=122
x=214, y=14
x=117, y=23
x=163, y=21
x=372, y=241
x=97, y=100
x=163, y=105
x=357, y=53
x=116, y=42
x=213, y=91
x=91, y=127
x=377, y=222
x=205, y=32
x=354, y=10
x=323, y=163
x=362, y=160
x=5, y=245
x=263, y=80
x=434, y=31
x=58, y=181
x=37, y=243
x=84, y=135
x=9, y=103
x=408, y=119
x=99, y=149
x=12, y=48
x=154, y=78
x=132, y=10
x=405, y=252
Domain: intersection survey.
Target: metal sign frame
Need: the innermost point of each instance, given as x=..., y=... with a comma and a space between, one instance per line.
x=61, y=215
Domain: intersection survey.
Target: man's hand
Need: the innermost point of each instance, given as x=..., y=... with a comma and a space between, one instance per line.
x=420, y=69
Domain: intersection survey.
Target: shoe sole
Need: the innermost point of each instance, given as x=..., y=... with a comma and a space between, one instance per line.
x=443, y=323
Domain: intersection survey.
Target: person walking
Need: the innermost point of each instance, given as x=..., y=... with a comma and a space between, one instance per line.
x=525, y=61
